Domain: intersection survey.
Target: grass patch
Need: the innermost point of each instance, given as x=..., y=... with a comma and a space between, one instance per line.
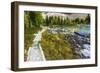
x=55, y=47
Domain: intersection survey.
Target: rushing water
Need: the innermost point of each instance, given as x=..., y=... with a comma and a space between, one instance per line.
x=85, y=51
x=83, y=35
x=85, y=29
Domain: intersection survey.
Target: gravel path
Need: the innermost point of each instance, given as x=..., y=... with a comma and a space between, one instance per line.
x=35, y=52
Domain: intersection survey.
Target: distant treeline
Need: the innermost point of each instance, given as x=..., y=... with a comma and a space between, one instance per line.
x=57, y=20
x=35, y=19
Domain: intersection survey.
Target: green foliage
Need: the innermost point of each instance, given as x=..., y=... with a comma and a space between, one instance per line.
x=32, y=19
x=32, y=23
x=36, y=18
x=87, y=19
x=61, y=21
x=55, y=47
x=27, y=22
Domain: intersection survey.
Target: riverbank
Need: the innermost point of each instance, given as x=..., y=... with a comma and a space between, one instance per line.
x=60, y=44
x=79, y=44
